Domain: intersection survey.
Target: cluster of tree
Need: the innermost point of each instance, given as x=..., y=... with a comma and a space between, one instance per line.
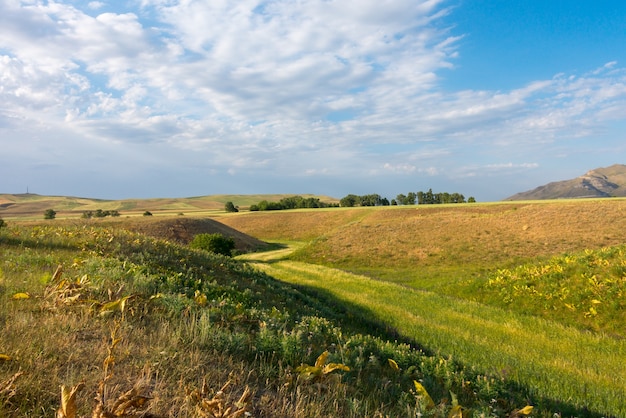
x=99, y=213
x=411, y=198
x=408, y=199
x=430, y=198
x=292, y=202
x=352, y=200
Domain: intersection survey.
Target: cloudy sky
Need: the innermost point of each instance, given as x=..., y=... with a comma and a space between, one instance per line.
x=175, y=98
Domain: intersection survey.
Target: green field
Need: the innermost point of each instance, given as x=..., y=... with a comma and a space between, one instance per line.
x=553, y=361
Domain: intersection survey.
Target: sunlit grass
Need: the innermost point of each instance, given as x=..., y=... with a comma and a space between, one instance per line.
x=555, y=361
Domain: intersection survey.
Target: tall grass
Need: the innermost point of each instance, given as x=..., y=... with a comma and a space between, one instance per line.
x=552, y=361
x=184, y=323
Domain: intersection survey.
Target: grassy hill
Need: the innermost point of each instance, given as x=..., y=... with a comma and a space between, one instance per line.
x=33, y=206
x=439, y=246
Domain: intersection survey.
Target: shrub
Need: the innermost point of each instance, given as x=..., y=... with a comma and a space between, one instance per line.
x=147, y=213
x=230, y=207
x=2, y=223
x=215, y=243
x=49, y=214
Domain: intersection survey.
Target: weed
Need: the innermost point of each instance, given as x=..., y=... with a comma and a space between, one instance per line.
x=7, y=387
x=320, y=370
x=216, y=406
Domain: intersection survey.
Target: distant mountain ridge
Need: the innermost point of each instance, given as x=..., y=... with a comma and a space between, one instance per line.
x=600, y=182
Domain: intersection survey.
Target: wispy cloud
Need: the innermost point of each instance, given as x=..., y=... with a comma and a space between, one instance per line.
x=310, y=88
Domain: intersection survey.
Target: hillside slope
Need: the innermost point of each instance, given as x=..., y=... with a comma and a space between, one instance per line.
x=436, y=245
x=601, y=182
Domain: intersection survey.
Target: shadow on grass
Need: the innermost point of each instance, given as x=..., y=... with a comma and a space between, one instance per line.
x=355, y=319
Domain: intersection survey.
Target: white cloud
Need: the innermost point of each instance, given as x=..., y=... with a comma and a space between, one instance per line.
x=313, y=88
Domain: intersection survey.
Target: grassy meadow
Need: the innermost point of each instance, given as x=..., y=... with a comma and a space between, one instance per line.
x=521, y=287
x=484, y=310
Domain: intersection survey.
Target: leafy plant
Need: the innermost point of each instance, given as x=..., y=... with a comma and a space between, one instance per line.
x=320, y=369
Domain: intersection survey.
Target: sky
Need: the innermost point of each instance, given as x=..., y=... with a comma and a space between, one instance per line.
x=180, y=98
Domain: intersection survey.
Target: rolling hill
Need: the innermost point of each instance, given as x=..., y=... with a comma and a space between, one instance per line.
x=30, y=205
x=601, y=182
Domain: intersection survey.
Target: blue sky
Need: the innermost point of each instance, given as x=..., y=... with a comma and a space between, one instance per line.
x=165, y=98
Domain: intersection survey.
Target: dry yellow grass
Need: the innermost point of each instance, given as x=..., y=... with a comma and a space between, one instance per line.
x=420, y=243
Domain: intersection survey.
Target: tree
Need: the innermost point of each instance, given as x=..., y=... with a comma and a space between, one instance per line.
x=471, y=199
x=147, y=213
x=371, y=200
x=349, y=201
x=49, y=214
x=408, y=199
x=230, y=207
x=215, y=243
x=2, y=223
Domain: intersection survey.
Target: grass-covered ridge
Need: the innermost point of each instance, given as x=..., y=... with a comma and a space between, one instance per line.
x=132, y=316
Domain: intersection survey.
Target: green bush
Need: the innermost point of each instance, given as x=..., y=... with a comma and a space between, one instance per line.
x=215, y=243
x=49, y=214
x=230, y=207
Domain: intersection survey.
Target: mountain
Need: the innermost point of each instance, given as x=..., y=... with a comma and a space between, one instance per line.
x=601, y=182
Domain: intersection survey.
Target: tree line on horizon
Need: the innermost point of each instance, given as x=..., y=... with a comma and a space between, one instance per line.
x=352, y=200
x=411, y=198
x=292, y=202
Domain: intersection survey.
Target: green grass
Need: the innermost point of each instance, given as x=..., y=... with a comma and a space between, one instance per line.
x=585, y=289
x=553, y=361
